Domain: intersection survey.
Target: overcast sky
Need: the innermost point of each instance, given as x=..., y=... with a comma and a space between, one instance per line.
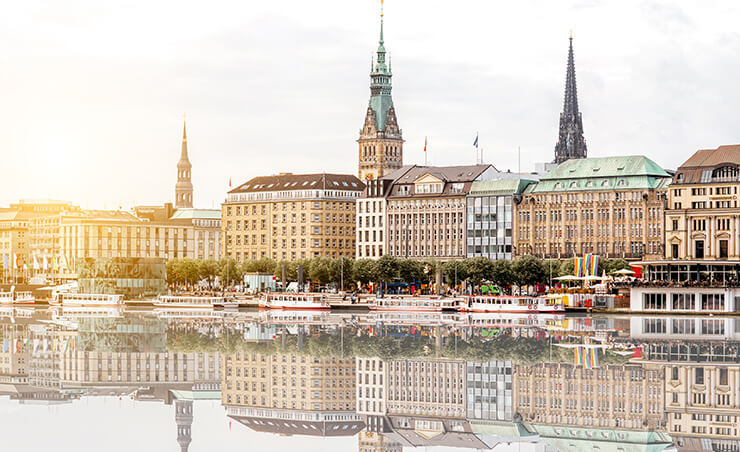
x=92, y=93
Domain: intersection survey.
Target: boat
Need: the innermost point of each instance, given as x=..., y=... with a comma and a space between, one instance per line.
x=437, y=304
x=508, y=320
x=14, y=297
x=514, y=304
x=294, y=301
x=192, y=301
x=87, y=299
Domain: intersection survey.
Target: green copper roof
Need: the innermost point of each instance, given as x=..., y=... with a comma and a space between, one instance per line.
x=603, y=173
x=500, y=187
x=604, y=440
x=380, y=86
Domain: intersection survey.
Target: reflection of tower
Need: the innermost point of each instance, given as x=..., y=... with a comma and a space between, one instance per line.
x=184, y=420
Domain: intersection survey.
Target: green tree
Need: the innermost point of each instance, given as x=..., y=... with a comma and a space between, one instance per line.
x=208, y=270
x=341, y=269
x=171, y=269
x=364, y=271
x=229, y=271
x=455, y=271
x=479, y=269
x=320, y=270
x=387, y=268
x=528, y=270
x=291, y=270
x=263, y=265
x=410, y=270
x=188, y=271
x=502, y=273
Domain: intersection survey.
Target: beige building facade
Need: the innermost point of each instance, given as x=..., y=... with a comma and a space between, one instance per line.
x=425, y=211
x=702, y=215
x=611, y=206
x=291, y=216
x=629, y=396
x=703, y=400
x=288, y=381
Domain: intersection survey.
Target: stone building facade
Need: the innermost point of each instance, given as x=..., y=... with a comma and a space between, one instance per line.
x=426, y=210
x=702, y=214
x=289, y=381
x=611, y=206
x=611, y=397
x=291, y=216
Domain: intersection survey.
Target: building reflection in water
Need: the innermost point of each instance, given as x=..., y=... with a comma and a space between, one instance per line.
x=661, y=383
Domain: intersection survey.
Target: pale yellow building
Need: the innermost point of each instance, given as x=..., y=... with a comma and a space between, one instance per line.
x=613, y=397
x=702, y=215
x=291, y=216
x=611, y=206
x=289, y=381
x=703, y=400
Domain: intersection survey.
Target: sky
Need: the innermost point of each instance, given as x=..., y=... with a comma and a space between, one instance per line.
x=125, y=425
x=92, y=94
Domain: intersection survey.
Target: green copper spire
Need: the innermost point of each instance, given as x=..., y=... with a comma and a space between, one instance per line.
x=380, y=86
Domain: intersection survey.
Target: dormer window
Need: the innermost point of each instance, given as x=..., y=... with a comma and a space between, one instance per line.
x=457, y=188
x=605, y=183
x=725, y=174
x=429, y=188
x=621, y=183
x=558, y=185
x=573, y=185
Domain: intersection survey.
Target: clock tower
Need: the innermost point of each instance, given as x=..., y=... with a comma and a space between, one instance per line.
x=381, y=140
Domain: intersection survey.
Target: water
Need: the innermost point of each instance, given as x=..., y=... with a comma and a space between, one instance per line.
x=84, y=379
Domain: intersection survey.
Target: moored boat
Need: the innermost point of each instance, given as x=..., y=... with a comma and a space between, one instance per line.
x=513, y=304
x=437, y=304
x=87, y=299
x=195, y=302
x=14, y=297
x=294, y=301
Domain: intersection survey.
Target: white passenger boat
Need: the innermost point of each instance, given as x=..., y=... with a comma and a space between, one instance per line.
x=294, y=301
x=413, y=318
x=528, y=305
x=86, y=312
x=14, y=297
x=508, y=320
x=87, y=299
x=438, y=304
x=195, y=302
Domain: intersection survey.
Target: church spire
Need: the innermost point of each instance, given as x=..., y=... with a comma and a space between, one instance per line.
x=184, y=187
x=571, y=143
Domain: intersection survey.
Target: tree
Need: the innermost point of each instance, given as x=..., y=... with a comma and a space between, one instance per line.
x=364, y=271
x=208, y=270
x=263, y=265
x=502, y=273
x=188, y=271
x=479, y=269
x=528, y=270
x=229, y=272
x=455, y=271
x=410, y=270
x=291, y=270
x=341, y=270
x=171, y=270
x=387, y=268
x=320, y=270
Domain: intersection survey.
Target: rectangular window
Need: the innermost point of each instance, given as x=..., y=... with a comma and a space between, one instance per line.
x=654, y=301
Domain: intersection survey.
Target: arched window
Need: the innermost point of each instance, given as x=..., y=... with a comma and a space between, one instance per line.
x=725, y=174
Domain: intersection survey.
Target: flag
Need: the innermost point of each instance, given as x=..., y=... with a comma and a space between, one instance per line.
x=46, y=264
x=229, y=182
x=475, y=143
x=15, y=260
x=425, y=144
x=6, y=262
x=36, y=263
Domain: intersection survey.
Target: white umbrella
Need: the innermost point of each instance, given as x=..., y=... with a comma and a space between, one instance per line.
x=624, y=271
x=595, y=278
x=568, y=278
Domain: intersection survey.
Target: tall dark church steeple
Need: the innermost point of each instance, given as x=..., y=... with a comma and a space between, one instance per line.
x=571, y=144
x=184, y=421
x=184, y=187
x=381, y=140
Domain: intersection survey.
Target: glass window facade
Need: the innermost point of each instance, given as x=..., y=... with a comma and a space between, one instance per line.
x=489, y=226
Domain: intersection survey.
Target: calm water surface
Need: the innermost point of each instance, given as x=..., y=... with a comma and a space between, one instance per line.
x=85, y=379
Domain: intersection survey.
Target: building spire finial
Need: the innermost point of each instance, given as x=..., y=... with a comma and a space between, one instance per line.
x=571, y=143
x=184, y=135
x=381, y=22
